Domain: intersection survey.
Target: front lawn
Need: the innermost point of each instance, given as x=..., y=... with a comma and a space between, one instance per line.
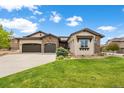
x=101, y=72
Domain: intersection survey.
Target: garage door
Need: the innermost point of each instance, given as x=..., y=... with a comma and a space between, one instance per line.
x=50, y=48
x=31, y=48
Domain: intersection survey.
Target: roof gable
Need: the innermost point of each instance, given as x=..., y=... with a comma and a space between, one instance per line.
x=88, y=30
x=117, y=39
x=33, y=34
x=50, y=35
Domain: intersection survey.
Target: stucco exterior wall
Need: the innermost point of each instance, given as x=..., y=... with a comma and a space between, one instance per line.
x=71, y=45
x=14, y=44
x=121, y=46
x=75, y=47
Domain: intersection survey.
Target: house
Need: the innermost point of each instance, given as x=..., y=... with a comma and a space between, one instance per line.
x=119, y=42
x=83, y=42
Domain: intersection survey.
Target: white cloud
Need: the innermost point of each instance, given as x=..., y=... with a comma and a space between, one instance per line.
x=74, y=21
x=20, y=24
x=55, y=17
x=107, y=28
x=42, y=20
x=33, y=17
x=10, y=8
x=32, y=7
x=35, y=12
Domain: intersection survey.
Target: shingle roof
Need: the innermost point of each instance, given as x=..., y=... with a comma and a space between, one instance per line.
x=89, y=30
x=62, y=38
x=117, y=39
x=26, y=38
x=35, y=33
x=29, y=38
x=50, y=35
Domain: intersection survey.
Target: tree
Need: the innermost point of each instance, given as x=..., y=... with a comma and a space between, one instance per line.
x=4, y=38
x=112, y=47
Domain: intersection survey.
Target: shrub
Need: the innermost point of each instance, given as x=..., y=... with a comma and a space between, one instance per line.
x=62, y=52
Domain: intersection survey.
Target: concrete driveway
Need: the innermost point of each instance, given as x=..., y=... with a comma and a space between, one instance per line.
x=10, y=64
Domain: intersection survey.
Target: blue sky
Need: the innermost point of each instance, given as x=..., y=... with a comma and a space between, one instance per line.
x=63, y=20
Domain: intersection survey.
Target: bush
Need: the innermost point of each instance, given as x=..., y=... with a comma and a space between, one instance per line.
x=62, y=52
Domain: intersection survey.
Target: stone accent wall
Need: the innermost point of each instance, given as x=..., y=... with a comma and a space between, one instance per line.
x=97, y=44
x=14, y=44
x=50, y=39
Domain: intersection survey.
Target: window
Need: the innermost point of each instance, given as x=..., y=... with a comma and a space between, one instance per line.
x=84, y=43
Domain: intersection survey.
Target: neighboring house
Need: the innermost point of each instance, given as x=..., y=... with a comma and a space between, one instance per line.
x=119, y=41
x=83, y=42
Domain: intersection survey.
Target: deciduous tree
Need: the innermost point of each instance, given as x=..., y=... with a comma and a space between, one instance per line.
x=4, y=38
x=112, y=47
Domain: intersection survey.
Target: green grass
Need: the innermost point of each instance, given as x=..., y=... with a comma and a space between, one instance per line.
x=103, y=72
